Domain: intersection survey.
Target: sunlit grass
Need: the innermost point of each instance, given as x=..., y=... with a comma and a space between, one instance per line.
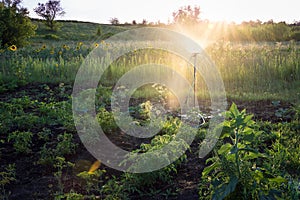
x=249, y=71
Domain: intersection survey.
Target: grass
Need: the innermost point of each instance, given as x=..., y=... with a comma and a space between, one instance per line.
x=249, y=71
x=74, y=31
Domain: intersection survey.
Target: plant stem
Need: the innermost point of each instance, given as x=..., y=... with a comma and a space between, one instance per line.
x=237, y=153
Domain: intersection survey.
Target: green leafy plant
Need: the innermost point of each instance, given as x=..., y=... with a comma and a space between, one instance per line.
x=64, y=146
x=60, y=165
x=69, y=196
x=146, y=184
x=142, y=112
x=6, y=177
x=284, y=151
x=114, y=189
x=236, y=171
x=106, y=120
x=93, y=180
x=21, y=141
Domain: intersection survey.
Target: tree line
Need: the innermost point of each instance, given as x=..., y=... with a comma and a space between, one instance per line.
x=16, y=27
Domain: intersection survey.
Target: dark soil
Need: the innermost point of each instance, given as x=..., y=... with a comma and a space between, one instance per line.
x=35, y=181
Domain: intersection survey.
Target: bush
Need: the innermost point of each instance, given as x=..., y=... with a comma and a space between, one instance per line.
x=15, y=25
x=295, y=36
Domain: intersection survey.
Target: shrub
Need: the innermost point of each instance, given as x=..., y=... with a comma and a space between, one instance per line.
x=15, y=25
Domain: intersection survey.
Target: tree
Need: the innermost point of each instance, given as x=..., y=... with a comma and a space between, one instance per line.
x=114, y=21
x=144, y=22
x=187, y=15
x=15, y=25
x=49, y=12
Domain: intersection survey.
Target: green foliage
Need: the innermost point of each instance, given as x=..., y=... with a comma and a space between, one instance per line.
x=103, y=96
x=51, y=37
x=21, y=141
x=236, y=169
x=295, y=35
x=93, y=180
x=69, y=196
x=15, y=25
x=6, y=177
x=114, y=189
x=142, y=112
x=64, y=146
x=261, y=32
x=258, y=69
x=106, y=120
x=99, y=31
x=60, y=164
x=147, y=184
x=284, y=151
x=171, y=126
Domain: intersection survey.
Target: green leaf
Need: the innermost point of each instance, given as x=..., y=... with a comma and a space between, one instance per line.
x=223, y=191
x=247, y=131
x=253, y=155
x=258, y=176
x=208, y=169
x=225, y=148
x=239, y=120
x=249, y=137
x=277, y=180
x=254, y=151
x=234, y=110
x=212, y=159
x=248, y=118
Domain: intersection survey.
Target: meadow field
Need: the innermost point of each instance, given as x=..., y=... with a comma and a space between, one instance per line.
x=42, y=156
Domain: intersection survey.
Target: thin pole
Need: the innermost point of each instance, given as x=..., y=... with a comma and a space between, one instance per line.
x=195, y=79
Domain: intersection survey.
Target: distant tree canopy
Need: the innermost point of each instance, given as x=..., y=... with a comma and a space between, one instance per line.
x=114, y=21
x=257, y=31
x=49, y=11
x=15, y=25
x=187, y=15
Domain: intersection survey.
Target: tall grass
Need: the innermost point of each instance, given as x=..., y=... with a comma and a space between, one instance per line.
x=261, y=69
x=248, y=70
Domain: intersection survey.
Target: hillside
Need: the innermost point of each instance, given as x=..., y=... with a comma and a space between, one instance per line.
x=246, y=32
x=74, y=31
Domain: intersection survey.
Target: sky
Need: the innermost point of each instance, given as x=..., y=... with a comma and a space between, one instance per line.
x=101, y=11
